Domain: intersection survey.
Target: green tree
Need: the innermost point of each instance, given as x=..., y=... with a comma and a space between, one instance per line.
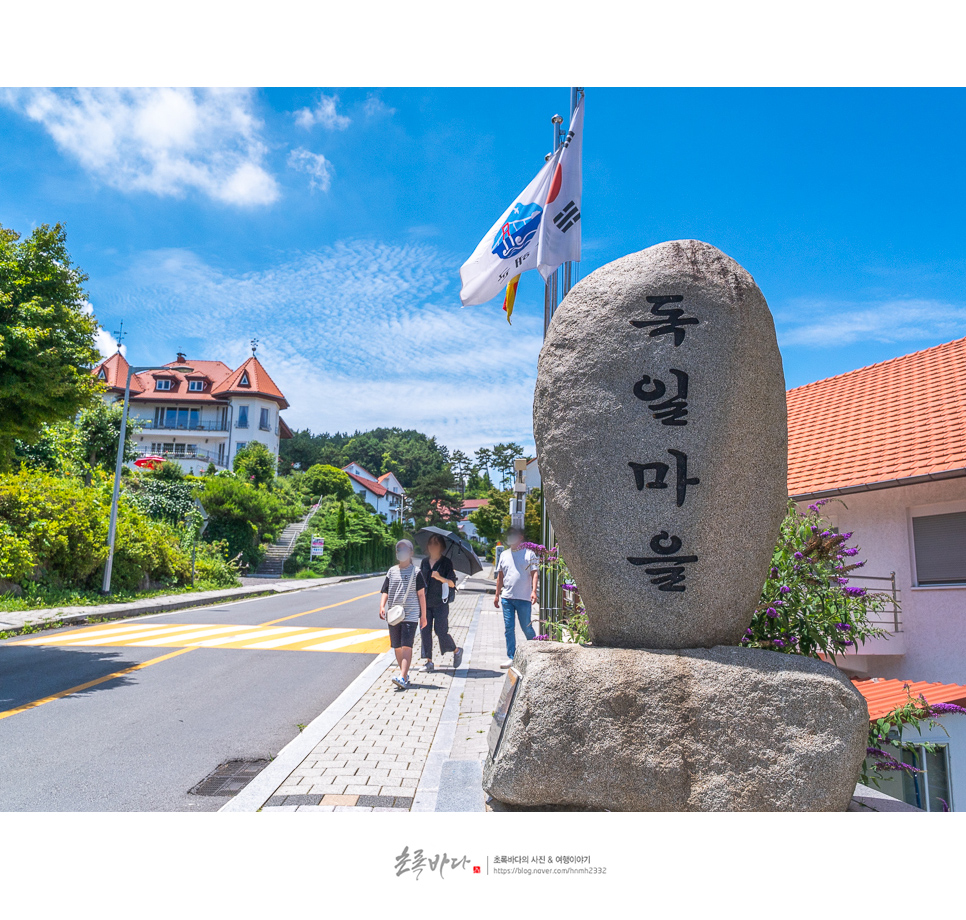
x=492, y=519
x=478, y=486
x=434, y=500
x=461, y=466
x=484, y=460
x=503, y=457
x=256, y=463
x=46, y=337
x=323, y=479
x=98, y=436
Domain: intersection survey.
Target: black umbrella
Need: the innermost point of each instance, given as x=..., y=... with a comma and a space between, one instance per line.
x=458, y=551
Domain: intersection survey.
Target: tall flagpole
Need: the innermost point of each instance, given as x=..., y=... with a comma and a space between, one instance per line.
x=559, y=283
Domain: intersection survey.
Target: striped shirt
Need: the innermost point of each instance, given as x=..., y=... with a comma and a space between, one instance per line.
x=395, y=586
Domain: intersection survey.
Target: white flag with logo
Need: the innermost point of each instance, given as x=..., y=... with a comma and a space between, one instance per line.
x=510, y=246
x=560, y=227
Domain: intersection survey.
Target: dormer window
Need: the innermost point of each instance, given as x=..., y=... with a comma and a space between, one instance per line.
x=162, y=384
x=196, y=386
x=102, y=374
x=244, y=380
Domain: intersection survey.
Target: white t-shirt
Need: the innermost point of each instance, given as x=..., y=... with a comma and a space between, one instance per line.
x=517, y=566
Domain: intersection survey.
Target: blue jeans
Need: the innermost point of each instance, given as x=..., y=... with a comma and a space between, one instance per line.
x=516, y=610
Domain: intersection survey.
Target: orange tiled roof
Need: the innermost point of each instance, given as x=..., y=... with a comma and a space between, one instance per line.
x=260, y=384
x=115, y=371
x=885, y=695
x=895, y=420
x=371, y=484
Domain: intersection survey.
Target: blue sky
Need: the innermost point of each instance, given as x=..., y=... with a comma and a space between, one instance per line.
x=331, y=224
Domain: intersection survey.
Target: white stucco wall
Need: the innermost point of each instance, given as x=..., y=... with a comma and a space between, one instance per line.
x=933, y=639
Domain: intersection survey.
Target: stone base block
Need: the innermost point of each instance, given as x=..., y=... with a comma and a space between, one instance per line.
x=719, y=729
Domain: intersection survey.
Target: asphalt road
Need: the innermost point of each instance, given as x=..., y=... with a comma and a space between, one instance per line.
x=140, y=741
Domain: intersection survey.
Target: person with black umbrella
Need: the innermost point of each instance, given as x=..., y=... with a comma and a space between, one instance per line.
x=440, y=579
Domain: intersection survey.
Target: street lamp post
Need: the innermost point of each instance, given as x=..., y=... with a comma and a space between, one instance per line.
x=112, y=528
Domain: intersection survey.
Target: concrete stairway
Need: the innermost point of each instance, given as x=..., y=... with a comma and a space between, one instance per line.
x=279, y=551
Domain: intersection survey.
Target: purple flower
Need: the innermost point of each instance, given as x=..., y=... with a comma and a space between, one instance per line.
x=843, y=626
x=538, y=548
x=847, y=536
x=945, y=709
x=850, y=551
x=784, y=589
x=793, y=640
x=748, y=631
x=745, y=639
x=567, y=585
x=813, y=508
x=797, y=555
x=542, y=638
x=848, y=642
x=778, y=643
x=771, y=611
x=854, y=592
x=774, y=572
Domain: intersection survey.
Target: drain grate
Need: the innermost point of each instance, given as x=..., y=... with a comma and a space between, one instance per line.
x=230, y=778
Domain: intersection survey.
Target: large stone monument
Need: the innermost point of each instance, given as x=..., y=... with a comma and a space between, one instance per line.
x=659, y=419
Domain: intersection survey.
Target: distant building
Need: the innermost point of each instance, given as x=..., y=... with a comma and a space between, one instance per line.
x=202, y=416
x=888, y=442
x=533, y=474
x=385, y=493
x=466, y=526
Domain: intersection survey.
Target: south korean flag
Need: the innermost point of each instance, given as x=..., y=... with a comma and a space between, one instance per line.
x=560, y=230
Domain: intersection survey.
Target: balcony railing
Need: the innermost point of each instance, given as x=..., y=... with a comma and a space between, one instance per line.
x=197, y=454
x=150, y=424
x=887, y=618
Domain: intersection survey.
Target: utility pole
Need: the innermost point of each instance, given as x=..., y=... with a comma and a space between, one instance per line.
x=112, y=527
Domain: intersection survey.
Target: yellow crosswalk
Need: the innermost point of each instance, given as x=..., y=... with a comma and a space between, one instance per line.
x=181, y=635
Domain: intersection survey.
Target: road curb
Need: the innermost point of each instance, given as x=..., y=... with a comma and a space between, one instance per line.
x=427, y=792
x=263, y=786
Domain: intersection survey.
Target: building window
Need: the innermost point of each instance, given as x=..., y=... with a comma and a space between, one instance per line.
x=179, y=450
x=192, y=449
x=162, y=384
x=240, y=445
x=182, y=418
x=930, y=789
x=196, y=386
x=242, y=417
x=939, y=541
x=263, y=420
x=156, y=447
x=244, y=380
x=101, y=374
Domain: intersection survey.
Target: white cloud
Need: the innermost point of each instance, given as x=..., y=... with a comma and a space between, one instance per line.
x=316, y=165
x=374, y=107
x=105, y=342
x=357, y=334
x=821, y=324
x=324, y=113
x=161, y=141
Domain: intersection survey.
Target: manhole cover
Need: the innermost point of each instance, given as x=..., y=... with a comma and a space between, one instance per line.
x=230, y=778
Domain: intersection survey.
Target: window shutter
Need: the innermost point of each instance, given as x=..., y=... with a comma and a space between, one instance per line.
x=940, y=546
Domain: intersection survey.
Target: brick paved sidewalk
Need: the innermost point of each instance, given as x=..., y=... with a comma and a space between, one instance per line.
x=420, y=749
x=372, y=759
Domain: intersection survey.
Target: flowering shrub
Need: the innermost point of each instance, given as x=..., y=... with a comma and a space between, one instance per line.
x=574, y=625
x=888, y=731
x=807, y=605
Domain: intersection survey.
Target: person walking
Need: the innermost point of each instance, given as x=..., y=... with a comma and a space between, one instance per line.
x=516, y=589
x=440, y=578
x=404, y=594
